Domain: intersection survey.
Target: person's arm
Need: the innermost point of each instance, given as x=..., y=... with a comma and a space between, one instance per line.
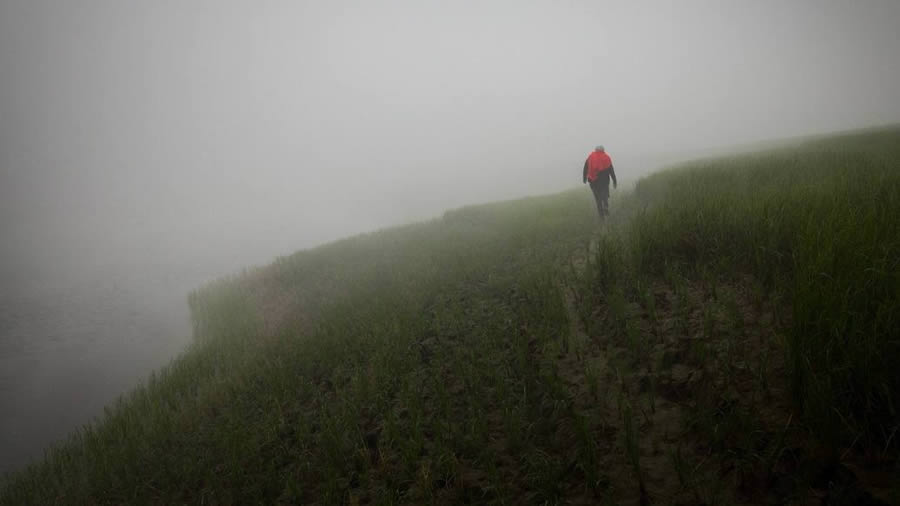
x=584, y=173
x=612, y=174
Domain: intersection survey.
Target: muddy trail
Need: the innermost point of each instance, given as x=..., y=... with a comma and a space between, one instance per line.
x=684, y=382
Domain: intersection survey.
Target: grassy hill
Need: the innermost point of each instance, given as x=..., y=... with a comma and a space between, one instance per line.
x=729, y=336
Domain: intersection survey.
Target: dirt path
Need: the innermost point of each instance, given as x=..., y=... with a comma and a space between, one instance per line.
x=684, y=378
x=643, y=371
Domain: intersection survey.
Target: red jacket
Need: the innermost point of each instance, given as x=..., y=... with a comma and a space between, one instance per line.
x=596, y=163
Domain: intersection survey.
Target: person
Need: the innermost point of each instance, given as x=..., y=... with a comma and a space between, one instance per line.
x=598, y=169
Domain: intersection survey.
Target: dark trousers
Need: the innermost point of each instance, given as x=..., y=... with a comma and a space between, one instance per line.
x=600, y=187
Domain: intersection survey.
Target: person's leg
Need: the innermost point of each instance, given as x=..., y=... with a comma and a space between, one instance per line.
x=603, y=197
x=595, y=189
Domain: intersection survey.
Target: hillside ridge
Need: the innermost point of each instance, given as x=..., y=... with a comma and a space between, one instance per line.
x=727, y=336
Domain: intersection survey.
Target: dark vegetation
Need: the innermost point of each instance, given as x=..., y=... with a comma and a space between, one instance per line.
x=730, y=336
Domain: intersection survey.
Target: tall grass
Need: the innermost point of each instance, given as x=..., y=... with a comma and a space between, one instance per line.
x=401, y=351
x=818, y=223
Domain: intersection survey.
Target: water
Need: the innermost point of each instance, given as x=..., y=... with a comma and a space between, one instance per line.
x=72, y=340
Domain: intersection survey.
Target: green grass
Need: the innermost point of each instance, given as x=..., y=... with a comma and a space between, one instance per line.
x=480, y=357
x=820, y=224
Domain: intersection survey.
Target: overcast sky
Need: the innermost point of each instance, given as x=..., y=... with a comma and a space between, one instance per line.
x=239, y=130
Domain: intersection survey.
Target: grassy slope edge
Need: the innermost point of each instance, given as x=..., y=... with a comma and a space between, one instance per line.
x=728, y=337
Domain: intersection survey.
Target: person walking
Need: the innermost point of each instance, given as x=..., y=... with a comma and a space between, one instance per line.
x=598, y=169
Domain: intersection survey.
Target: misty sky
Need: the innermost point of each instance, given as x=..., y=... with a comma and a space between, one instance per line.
x=242, y=130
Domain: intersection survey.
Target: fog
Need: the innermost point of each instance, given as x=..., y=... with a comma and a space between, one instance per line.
x=148, y=146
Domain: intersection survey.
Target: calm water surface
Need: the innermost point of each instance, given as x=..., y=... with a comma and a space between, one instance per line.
x=71, y=342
